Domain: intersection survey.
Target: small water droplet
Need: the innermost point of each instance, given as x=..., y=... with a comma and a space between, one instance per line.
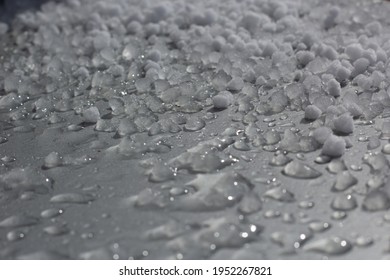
x=271, y=214
x=56, y=230
x=306, y=204
x=160, y=173
x=373, y=143
x=319, y=226
x=19, y=220
x=241, y=145
x=356, y=167
x=15, y=235
x=338, y=215
x=322, y=159
x=363, y=241
x=376, y=161
x=386, y=149
x=280, y=160
x=214, y=191
x=194, y=124
x=249, y=204
x=51, y=213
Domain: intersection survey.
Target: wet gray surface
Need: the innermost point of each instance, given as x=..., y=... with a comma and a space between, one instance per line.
x=207, y=130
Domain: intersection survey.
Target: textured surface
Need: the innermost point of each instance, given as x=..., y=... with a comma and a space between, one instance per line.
x=195, y=130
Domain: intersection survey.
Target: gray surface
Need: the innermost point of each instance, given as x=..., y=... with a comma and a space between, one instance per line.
x=115, y=211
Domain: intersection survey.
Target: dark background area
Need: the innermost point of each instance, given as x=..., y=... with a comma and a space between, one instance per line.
x=10, y=8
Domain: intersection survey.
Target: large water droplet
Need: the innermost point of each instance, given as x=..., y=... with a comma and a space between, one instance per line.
x=364, y=241
x=280, y=160
x=56, y=230
x=52, y=160
x=20, y=220
x=280, y=194
x=51, y=213
x=344, y=202
x=376, y=161
x=300, y=170
x=330, y=246
x=194, y=124
x=344, y=181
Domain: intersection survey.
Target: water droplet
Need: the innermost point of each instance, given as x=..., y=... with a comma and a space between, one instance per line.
x=321, y=159
x=373, y=143
x=56, y=230
x=72, y=198
x=386, y=149
x=20, y=180
x=376, y=161
x=52, y=160
x=166, y=231
x=344, y=202
x=278, y=238
x=160, y=173
x=363, y=139
x=51, y=213
x=280, y=160
x=376, y=181
x=336, y=166
x=291, y=241
x=8, y=159
x=356, y=167
x=20, y=220
x=249, y=204
x=194, y=124
x=330, y=246
x=96, y=254
x=376, y=200
x=3, y=139
x=344, y=181
x=175, y=191
x=280, y=194
x=300, y=170
x=241, y=145
x=319, y=226
x=201, y=163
